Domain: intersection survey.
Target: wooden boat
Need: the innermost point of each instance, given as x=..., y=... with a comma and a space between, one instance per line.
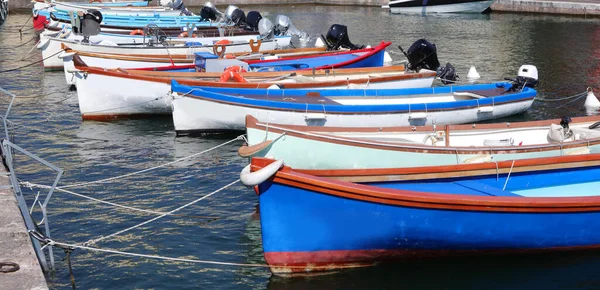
x=52, y=46
x=311, y=223
x=438, y=6
x=197, y=110
x=157, y=57
x=305, y=147
x=117, y=93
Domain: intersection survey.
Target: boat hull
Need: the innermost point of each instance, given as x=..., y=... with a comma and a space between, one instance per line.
x=312, y=223
x=315, y=231
x=297, y=149
x=439, y=6
x=202, y=113
x=108, y=96
x=104, y=98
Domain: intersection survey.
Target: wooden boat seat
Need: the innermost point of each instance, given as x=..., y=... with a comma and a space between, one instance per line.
x=484, y=188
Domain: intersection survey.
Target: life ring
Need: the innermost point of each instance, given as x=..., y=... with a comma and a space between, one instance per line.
x=137, y=32
x=186, y=34
x=92, y=1
x=223, y=42
x=235, y=68
x=228, y=75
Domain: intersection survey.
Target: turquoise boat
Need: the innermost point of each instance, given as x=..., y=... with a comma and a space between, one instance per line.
x=317, y=147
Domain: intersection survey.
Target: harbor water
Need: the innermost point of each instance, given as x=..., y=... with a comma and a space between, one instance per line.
x=225, y=227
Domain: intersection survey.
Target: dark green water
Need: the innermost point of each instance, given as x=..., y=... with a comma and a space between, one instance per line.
x=225, y=226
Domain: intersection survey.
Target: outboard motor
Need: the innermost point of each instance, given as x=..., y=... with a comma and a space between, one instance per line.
x=178, y=5
x=252, y=20
x=86, y=23
x=266, y=29
x=422, y=54
x=235, y=15
x=447, y=74
x=526, y=77
x=337, y=37
x=284, y=26
x=210, y=12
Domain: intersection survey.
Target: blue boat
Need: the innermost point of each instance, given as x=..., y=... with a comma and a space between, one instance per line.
x=139, y=21
x=312, y=223
x=203, y=109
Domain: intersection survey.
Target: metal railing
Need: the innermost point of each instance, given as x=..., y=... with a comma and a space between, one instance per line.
x=8, y=149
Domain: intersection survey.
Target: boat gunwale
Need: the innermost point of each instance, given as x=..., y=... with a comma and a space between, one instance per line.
x=440, y=201
x=319, y=133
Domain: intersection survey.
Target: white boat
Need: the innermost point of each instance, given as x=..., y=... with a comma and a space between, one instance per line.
x=109, y=94
x=3, y=10
x=438, y=6
x=130, y=44
x=205, y=110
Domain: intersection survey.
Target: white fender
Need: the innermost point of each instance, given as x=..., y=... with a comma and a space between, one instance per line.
x=387, y=57
x=257, y=177
x=473, y=74
x=591, y=101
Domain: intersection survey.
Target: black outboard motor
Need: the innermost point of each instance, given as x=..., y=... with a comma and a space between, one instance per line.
x=235, y=15
x=210, y=13
x=252, y=20
x=447, y=74
x=337, y=37
x=422, y=54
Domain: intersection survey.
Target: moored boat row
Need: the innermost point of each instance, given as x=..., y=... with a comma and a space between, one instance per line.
x=336, y=136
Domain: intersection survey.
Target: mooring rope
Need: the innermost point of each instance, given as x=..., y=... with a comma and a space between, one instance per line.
x=51, y=242
x=562, y=99
x=33, y=185
x=22, y=44
x=151, y=168
x=93, y=241
x=28, y=65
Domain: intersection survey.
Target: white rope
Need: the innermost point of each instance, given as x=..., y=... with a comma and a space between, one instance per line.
x=32, y=185
x=508, y=176
x=161, y=216
x=151, y=168
x=53, y=243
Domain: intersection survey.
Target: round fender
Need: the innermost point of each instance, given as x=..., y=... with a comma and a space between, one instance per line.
x=257, y=177
x=65, y=54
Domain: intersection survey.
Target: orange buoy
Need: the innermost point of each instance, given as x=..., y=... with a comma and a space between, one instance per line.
x=228, y=75
x=223, y=42
x=235, y=68
x=137, y=32
x=185, y=34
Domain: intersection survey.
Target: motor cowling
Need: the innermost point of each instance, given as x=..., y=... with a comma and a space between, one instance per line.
x=265, y=28
x=210, y=12
x=252, y=20
x=284, y=26
x=337, y=36
x=526, y=77
x=235, y=15
x=422, y=54
x=447, y=74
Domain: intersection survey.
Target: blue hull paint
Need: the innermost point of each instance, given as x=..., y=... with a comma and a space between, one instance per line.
x=296, y=221
x=162, y=21
x=375, y=60
x=231, y=95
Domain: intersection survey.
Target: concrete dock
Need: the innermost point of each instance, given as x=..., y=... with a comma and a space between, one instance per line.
x=566, y=7
x=15, y=244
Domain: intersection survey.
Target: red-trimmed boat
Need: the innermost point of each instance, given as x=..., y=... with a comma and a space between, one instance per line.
x=319, y=220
